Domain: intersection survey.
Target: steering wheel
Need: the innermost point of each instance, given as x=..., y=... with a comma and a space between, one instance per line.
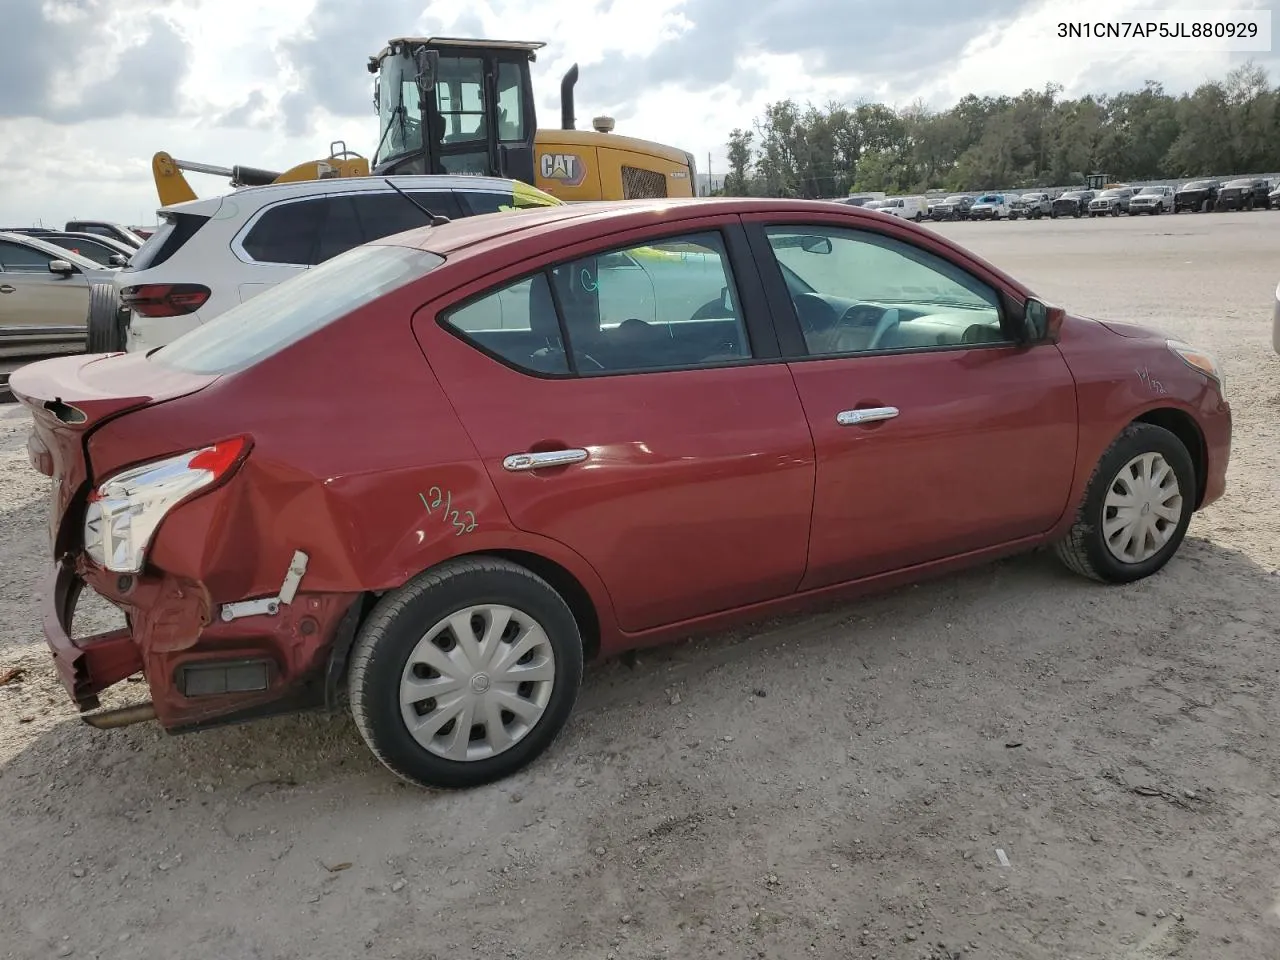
x=888, y=320
x=814, y=313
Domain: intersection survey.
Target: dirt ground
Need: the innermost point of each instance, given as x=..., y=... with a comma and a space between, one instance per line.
x=1011, y=763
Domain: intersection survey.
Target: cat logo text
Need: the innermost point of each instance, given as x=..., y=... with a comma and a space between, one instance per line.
x=564, y=168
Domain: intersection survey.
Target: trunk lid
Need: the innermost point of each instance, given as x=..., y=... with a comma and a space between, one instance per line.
x=70, y=396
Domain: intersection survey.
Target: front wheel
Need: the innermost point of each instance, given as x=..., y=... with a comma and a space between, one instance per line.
x=465, y=674
x=1136, y=508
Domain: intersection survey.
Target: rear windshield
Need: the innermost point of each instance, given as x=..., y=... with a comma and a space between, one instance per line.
x=289, y=311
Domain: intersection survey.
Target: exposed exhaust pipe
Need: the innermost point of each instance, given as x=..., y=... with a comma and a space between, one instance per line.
x=123, y=717
x=566, y=98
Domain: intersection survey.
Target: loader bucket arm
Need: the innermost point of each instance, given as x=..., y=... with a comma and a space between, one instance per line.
x=171, y=185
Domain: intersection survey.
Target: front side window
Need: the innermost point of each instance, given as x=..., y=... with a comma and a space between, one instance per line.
x=18, y=258
x=658, y=306
x=855, y=291
x=285, y=313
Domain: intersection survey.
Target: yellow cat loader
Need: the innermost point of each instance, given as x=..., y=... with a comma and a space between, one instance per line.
x=465, y=106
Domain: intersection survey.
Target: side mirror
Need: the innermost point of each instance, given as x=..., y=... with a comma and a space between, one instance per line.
x=816, y=245
x=61, y=267
x=428, y=64
x=118, y=260
x=1042, y=322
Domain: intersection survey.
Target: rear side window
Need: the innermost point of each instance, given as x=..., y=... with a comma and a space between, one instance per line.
x=285, y=313
x=666, y=305
x=287, y=233
x=516, y=323
x=174, y=231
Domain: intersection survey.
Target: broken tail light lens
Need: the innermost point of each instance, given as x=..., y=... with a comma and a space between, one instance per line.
x=125, y=510
x=165, y=299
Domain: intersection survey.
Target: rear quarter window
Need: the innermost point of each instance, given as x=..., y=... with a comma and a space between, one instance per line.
x=174, y=231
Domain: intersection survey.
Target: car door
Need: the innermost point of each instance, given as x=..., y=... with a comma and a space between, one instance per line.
x=36, y=304
x=674, y=457
x=935, y=434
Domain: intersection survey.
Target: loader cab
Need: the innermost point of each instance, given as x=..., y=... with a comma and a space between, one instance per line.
x=455, y=106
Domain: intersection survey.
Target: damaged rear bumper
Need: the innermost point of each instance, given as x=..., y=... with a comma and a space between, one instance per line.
x=95, y=663
x=202, y=670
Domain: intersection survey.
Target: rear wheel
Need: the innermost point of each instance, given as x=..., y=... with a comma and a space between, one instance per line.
x=1136, y=508
x=465, y=674
x=106, y=321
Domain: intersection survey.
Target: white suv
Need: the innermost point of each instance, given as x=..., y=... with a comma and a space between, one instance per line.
x=209, y=255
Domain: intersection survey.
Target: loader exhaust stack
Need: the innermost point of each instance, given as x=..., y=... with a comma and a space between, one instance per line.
x=566, y=98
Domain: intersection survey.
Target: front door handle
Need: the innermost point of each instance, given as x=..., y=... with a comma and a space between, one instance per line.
x=850, y=418
x=6, y=288
x=542, y=460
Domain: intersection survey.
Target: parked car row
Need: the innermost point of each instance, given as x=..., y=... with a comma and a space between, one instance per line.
x=1248, y=193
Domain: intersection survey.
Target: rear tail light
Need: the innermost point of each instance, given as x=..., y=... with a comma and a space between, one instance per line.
x=125, y=510
x=164, y=299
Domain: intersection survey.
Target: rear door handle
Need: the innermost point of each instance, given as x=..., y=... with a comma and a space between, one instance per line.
x=850, y=418
x=542, y=460
x=6, y=288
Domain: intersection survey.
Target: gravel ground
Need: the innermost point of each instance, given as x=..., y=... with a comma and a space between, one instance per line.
x=1008, y=763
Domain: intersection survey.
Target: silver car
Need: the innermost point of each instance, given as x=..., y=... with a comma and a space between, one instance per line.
x=44, y=296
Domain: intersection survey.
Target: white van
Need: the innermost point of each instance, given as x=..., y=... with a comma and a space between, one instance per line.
x=909, y=208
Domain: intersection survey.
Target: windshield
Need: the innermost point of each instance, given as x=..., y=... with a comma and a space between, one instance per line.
x=1198, y=185
x=954, y=200
x=1240, y=183
x=1151, y=191
x=990, y=198
x=399, y=108
x=1111, y=193
x=264, y=325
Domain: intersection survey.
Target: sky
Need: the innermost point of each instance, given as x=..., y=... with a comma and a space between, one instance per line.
x=90, y=89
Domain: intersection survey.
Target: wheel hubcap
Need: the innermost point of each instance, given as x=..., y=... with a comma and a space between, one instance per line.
x=1142, y=509
x=477, y=682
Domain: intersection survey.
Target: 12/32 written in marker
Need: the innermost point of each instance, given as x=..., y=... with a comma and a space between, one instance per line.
x=435, y=499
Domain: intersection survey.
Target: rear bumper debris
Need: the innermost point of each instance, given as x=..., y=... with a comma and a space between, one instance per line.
x=202, y=670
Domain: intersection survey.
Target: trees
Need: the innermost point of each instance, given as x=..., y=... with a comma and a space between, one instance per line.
x=1037, y=138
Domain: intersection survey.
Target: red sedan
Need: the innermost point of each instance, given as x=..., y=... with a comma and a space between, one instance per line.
x=443, y=470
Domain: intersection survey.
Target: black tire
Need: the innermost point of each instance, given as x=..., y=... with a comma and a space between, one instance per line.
x=396, y=624
x=1084, y=549
x=106, y=321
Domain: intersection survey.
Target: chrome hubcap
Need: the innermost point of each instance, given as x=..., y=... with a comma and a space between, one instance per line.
x=1142, y=509
x=477, y=682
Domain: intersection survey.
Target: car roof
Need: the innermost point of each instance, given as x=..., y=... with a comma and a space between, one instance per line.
x=61, y=253
x=255, y=197
x=530, y=224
